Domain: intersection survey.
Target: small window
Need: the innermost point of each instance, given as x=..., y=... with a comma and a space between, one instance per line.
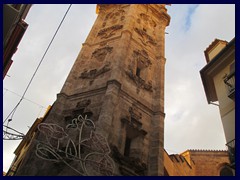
x=127, y=147
x=226, y=171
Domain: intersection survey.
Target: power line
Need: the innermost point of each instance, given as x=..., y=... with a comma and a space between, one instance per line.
x=14, y=135
x=15, y=108
x=7, y=90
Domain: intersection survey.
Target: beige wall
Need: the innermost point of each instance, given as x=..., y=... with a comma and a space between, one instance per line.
x=226, y=105
x=229, y=125
x=216, y=50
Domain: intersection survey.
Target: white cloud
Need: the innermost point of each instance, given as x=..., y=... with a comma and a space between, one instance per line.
x=198, y=125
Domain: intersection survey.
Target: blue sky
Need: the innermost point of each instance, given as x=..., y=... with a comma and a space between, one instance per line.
x=188, y=20
x=190, y=122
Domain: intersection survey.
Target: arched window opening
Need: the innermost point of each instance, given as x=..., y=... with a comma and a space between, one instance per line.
x=226, y=171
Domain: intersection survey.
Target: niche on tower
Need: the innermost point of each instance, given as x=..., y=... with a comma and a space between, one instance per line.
x=130, y=159
x=82, y=108
x=134, y=133
x=138, y=70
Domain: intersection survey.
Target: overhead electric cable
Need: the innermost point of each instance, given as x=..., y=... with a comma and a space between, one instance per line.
x=7, y=90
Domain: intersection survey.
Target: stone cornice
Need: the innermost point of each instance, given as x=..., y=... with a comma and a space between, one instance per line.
x=160, y=14
x=159, y=11
x=114, y=82
x=122, y=93
x=87, y=93
x=142, y=106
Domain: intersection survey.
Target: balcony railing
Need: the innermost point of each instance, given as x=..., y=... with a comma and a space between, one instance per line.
x=229, y=81
x=231, y=152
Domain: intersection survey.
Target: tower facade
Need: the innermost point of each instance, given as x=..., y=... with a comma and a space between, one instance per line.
x=117, y=81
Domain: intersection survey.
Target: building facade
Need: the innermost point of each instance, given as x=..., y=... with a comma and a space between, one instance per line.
x=24, y=145
x=108, y=118
x=198, y=163
x=218, y=78
x=14, y=28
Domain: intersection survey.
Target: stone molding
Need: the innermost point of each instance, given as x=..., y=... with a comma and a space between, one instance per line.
x=114, y=82
x=101, y=53
x=145, y=38
x=93, y=73
x=83, y=103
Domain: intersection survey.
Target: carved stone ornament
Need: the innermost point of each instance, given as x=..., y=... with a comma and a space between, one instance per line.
x=145, y=38
x=115, y=14
x=139, y=81
x=134, y=113
x=109, y=32
x=83, y=103
x=147, y=20
x=101, y=53
x=143, y=61
x=92, y=74
x=78, y=142
x=141, y=84
x=142, y=58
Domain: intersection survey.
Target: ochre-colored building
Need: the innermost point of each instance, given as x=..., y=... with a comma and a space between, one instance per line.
x=198, y=163
x=23, y=147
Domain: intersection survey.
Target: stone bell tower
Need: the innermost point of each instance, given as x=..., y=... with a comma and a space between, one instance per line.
x=118, y=82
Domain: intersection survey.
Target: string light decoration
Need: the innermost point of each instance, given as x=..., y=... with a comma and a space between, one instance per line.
x=78, y=146
x=12, y=135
